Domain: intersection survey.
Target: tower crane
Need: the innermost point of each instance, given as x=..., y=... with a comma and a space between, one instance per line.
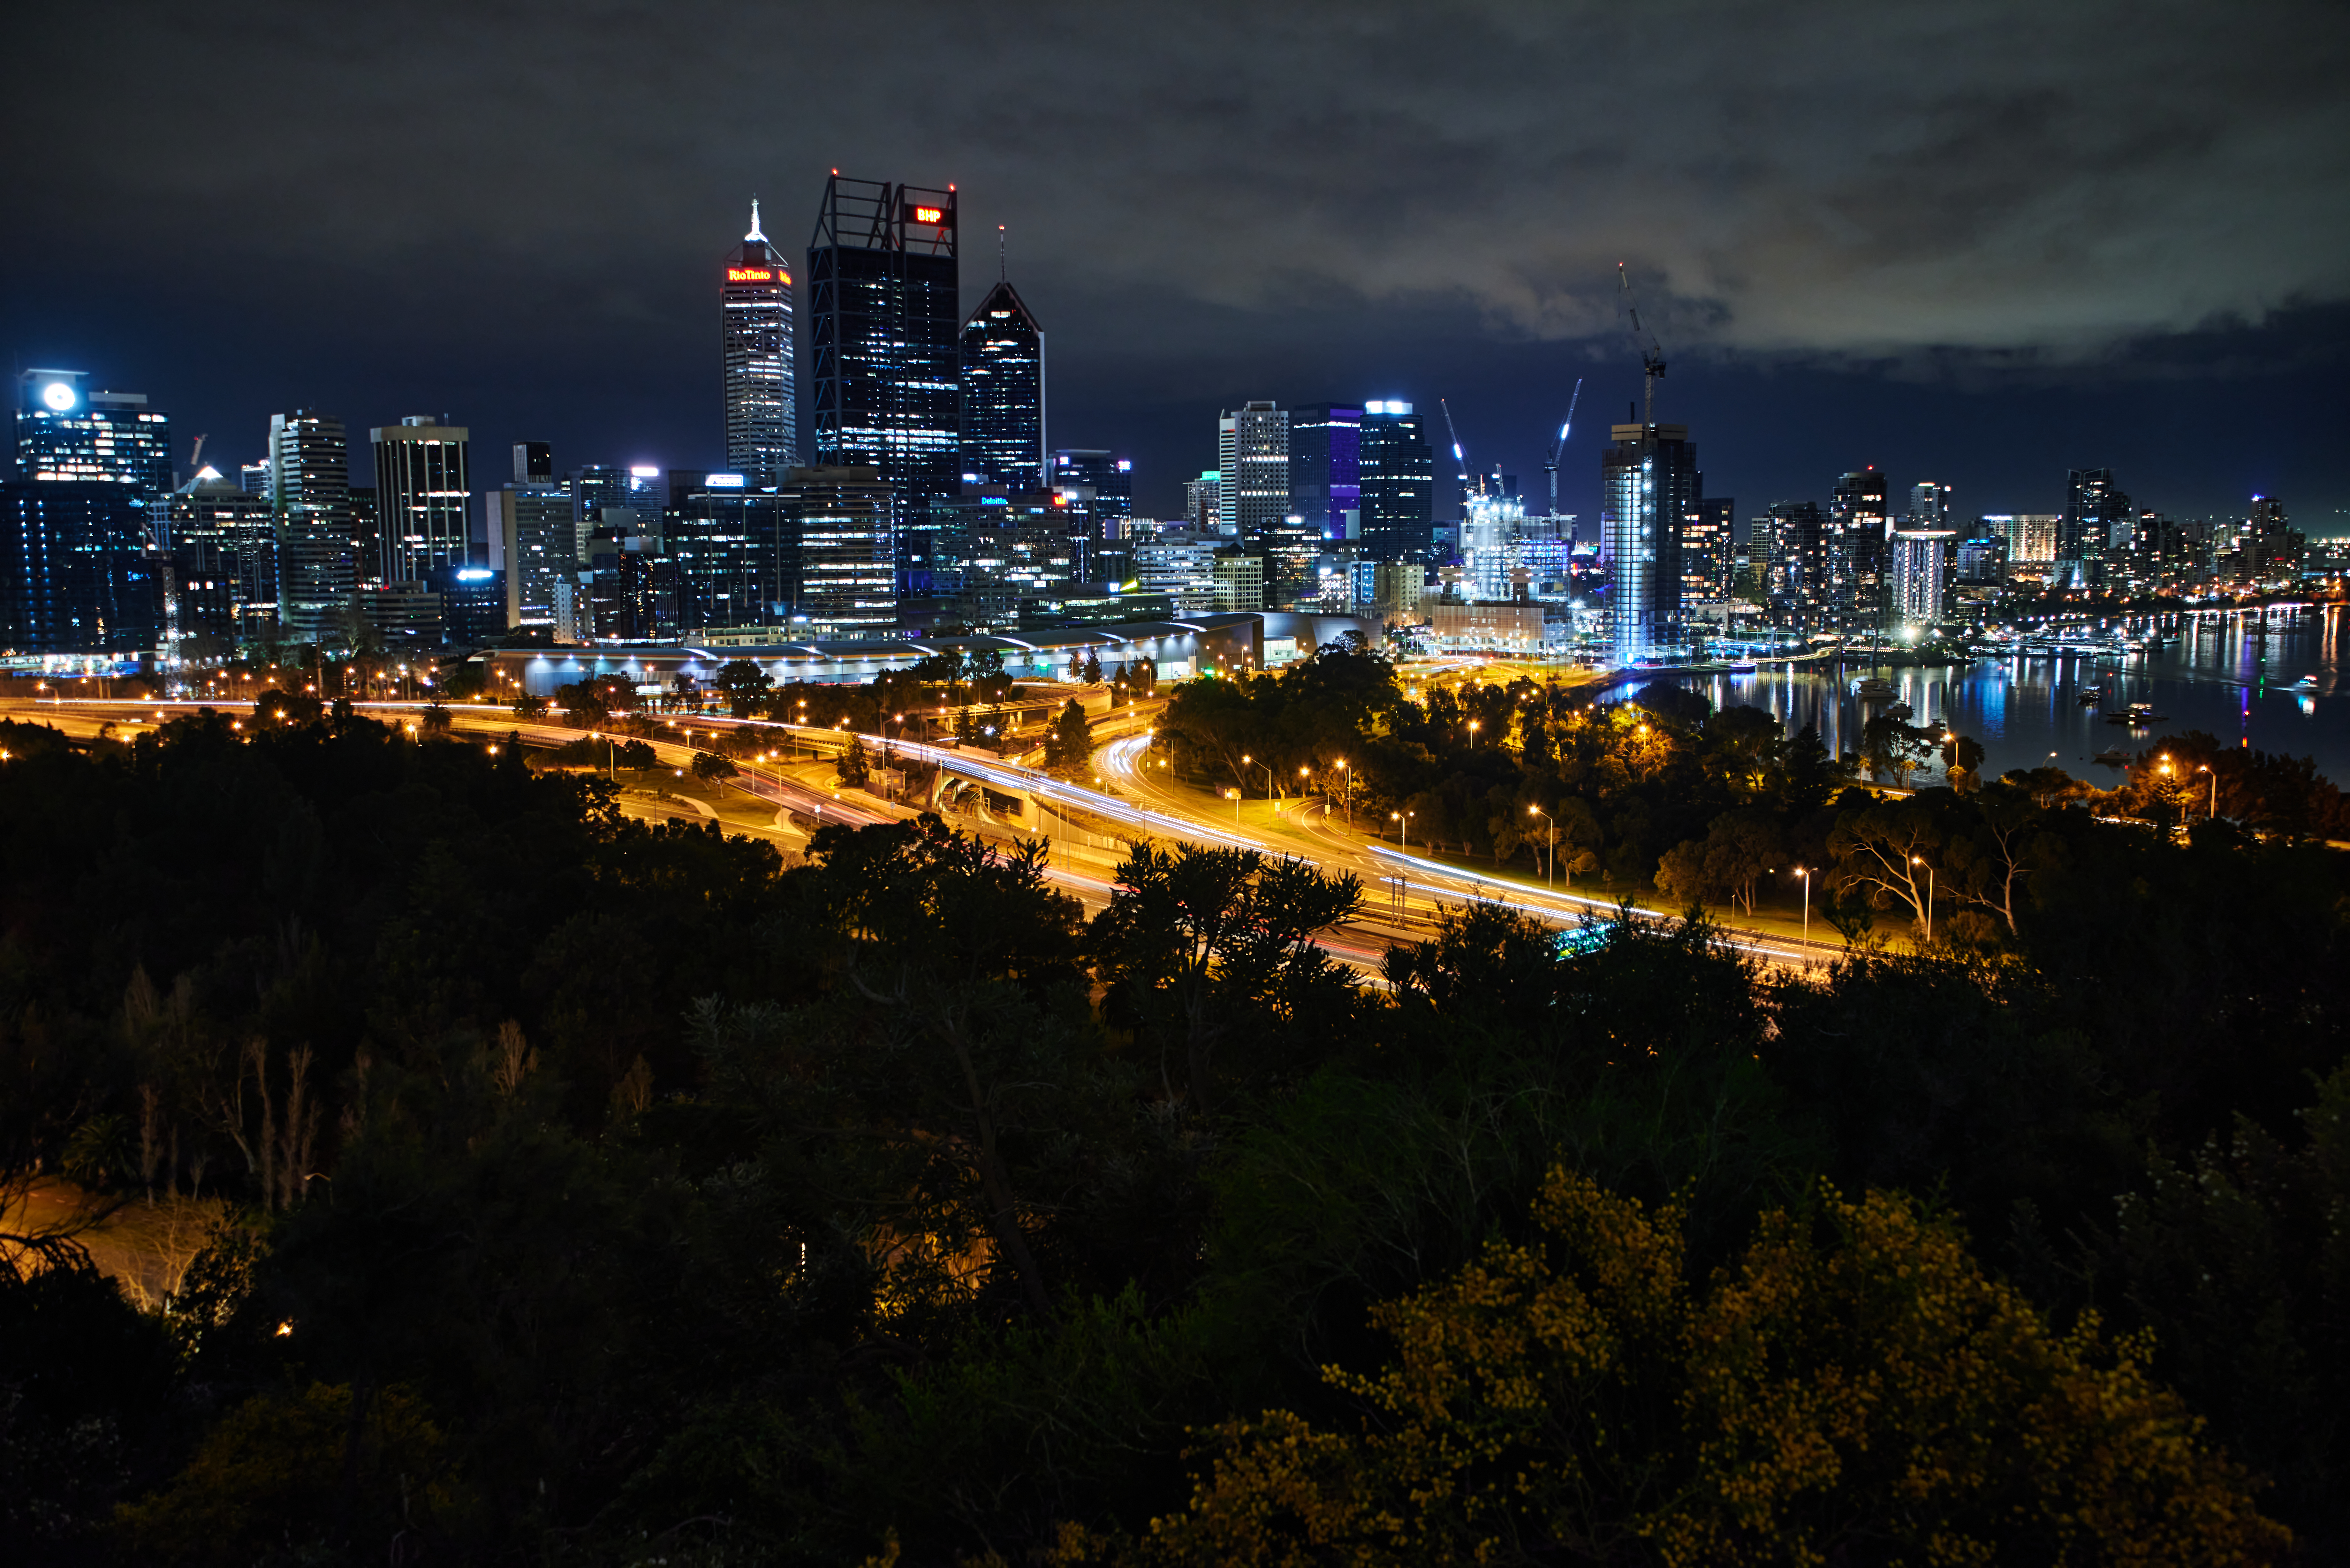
x=1559, y=446
x=1460, y=463
x=1652, y=354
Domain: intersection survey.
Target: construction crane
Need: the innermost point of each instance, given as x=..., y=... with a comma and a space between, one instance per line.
x=1652, y=354
x=1558, y=448
x=1460, y=463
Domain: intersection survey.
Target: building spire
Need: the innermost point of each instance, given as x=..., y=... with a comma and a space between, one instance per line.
x=1003, y=265
x=754, y=233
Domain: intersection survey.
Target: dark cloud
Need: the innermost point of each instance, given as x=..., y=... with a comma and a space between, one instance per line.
x=1201, y=200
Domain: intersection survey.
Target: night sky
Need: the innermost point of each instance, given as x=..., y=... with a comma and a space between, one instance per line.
x=1975, y=243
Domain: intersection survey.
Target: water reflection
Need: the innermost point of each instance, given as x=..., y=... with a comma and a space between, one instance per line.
x=2270, y=678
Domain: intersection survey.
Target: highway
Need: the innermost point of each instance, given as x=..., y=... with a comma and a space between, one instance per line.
x=1403, y=892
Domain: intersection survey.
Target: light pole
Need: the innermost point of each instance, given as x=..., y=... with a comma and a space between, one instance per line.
x=1472, y=734
x=1930, y=894
x=1405, y=818
x=2214, y=810
x=1550, y=866
x=1236, y=805
x=1347, y=792
x=1806, y=876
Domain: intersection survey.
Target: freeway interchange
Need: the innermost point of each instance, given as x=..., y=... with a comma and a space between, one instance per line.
x=1085, y=827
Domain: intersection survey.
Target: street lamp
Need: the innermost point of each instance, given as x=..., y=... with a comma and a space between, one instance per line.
x=2206, y=768
x=1472, y=734
x=1550, y=872
x=1236, y=805
x=1929, y=893
x=1806, y=876
x=1347, y=792
x=1405, y=818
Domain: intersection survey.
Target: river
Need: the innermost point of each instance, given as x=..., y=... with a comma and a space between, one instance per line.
x=2214, y=671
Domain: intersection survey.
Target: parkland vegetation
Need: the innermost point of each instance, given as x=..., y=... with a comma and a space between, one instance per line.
x=582, y=1190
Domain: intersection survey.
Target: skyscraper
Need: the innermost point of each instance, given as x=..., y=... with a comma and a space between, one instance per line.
x=530, y=534
x=848, y=585
x=1003, y=394
x=1203, y=502
x=310, y=484
x=1648, y=483
x=1101, y=485
x=223, y=547
x=2098, y=519
x=754, y=311
x=1707, y=552
x=67, y=434
x=424, y=490
x=885, y=329
x=1326, y=469
x=1397, y=478
x=1919, y=568
x=1252, y=446
x=1859, y=540
x=76, y=573
x=736, y=550
x=1929, y=505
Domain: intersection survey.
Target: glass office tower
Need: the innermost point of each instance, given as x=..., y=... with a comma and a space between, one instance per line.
x=1326, y=473
x=1003, y=394
x=763, y=415
x=310, y=489
x=1397, y=483
x=1859, y=550
x=76, y=573
x=885, y=329
x=424, y=492
x=67, y=433
x=1647, y=484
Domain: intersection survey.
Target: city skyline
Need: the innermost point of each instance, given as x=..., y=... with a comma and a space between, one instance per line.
x=1997, y=308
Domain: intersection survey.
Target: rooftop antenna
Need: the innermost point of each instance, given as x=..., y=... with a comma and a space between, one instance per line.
x=754, y=233
x=1652, y=354
x=1558, y=448
x=1003, y=264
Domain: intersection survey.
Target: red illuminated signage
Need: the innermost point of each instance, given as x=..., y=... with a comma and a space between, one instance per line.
x=757, y=274
x=927, y=215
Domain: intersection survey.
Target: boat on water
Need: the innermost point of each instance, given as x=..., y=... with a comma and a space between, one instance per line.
x=1873, y=687
x=2091, y=698
x=2112, y=757
x=1744, y=667
x=2306, y=683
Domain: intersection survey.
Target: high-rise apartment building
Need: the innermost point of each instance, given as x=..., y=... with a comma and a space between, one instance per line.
x=2097, y=518
x=310, y=485
x=1708, y=553
x=1929, y=505
x=1648, y=483
x=423, y=496
x=1396, y=479
x=1003, y=394
x=1919, y=570
x=761, y=366
x=1858, y=543
x=886, y=367
x=67, y=433
x=1795, y=565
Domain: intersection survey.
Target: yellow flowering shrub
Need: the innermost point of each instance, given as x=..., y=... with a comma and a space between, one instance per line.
x=1855, y=1388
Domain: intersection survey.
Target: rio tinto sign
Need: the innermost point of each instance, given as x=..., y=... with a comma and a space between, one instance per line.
x=757, y=274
